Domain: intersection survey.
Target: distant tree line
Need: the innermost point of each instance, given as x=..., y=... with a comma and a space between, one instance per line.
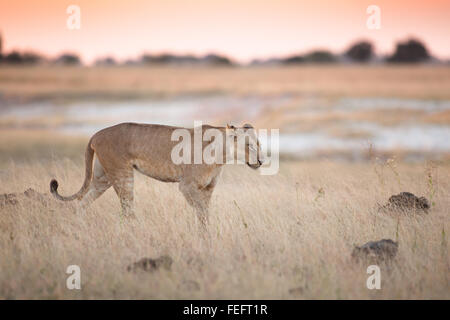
x=409, y=51
x=31, y=58
x=167, y=58
x=70, y=59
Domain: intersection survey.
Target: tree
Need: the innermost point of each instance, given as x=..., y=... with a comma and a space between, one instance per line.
x=215, y=59
x=107, y=61
x=296, y=59
x=32, y=58
x=360, y=52
x=13, y=58
x=1, y=47
x=320, y=56
x=410, y=51
x=69, y=59
x=164, y=58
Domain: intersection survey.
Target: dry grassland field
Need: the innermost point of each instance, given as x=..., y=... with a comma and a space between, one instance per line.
x=134, y=82
x=285, y=236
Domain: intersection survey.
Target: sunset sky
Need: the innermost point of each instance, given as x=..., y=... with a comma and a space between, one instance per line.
x=243, y=29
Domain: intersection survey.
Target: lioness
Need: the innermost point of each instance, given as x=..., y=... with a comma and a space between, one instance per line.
x=147, y=148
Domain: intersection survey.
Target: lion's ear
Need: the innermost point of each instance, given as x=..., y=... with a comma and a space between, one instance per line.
x=231, y=131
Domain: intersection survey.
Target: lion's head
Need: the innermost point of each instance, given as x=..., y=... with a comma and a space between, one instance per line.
x=246, y=147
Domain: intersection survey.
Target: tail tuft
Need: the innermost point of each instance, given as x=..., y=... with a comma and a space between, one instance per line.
x=89, y=157
x=53, y=186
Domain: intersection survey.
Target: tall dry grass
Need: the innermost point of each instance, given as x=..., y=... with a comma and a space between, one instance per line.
x=268, y=235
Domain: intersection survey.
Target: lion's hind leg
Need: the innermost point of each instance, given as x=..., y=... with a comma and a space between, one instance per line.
x=123, y=183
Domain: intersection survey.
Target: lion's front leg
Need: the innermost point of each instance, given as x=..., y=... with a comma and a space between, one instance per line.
x=198, y=197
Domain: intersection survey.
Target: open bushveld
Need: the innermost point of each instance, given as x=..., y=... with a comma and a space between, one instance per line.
x=287, y=236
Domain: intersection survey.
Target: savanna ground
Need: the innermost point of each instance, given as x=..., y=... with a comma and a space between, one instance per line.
x=287, y=236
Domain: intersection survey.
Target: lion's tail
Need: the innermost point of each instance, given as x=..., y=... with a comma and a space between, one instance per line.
x=89, y=156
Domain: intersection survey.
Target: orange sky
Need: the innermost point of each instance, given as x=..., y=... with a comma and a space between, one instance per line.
x=242, y=29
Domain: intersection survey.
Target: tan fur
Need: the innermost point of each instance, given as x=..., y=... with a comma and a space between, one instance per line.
x=121, y=149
